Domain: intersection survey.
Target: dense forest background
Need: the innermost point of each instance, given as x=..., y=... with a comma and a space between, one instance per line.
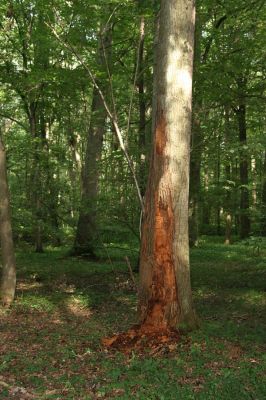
x=49, y=111
x=96, y=299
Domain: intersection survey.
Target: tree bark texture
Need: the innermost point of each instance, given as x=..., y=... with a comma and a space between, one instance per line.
x=165, y=299
x=8, y=283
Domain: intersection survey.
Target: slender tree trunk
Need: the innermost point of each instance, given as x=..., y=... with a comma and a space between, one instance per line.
x=196, y=147
x=142, y=110
x=194, y=185
x=36, y=179
x=218, y=208
x=165, y=299
x=244, y=229
x=228, y=228
x=263, y=199
x=235, y=198
x=206, y=206
x=8, y=283
x=228, y=197
x=228, y=213
x=86, y=234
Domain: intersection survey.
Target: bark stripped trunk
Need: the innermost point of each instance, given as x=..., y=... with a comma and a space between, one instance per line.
x=8, y=284
x=86, y=233
x=165, y=299
x=244, y=229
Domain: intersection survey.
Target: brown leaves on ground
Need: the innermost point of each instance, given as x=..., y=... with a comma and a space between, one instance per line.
x=141, y=338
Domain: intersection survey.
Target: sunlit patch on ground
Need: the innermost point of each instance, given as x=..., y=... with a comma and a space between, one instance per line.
x=77, y=308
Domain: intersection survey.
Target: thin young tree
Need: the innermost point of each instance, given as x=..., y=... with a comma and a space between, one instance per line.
x=8, y=283
x=165, y=299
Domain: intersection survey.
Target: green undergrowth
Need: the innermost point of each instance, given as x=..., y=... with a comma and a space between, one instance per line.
x=51, y=338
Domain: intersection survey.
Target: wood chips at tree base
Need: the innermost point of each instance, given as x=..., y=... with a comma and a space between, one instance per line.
x=141, y=338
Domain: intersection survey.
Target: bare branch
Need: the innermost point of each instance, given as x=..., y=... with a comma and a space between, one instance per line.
x=112, y=117
x=14, y=120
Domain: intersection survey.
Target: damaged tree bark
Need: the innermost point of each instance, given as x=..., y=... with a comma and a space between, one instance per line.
x=165, y=299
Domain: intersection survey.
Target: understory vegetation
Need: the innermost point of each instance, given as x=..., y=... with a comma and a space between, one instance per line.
x=51, y=339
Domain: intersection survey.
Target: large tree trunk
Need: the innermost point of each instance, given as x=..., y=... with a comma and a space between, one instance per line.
x=8, y=283
x=86, y=233
x=165, y=299
x=244, y=229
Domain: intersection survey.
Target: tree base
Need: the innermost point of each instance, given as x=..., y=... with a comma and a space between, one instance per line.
x=86, y=253
x=141, y=338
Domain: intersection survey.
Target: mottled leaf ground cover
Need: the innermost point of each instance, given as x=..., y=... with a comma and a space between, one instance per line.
x=51, y=338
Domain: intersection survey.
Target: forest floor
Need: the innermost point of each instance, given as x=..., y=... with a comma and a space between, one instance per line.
x=51, y=339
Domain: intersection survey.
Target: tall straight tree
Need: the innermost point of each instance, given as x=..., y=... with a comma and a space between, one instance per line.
x=8, y=283
x=243, y=156
x=165, y=299
x=87, y=223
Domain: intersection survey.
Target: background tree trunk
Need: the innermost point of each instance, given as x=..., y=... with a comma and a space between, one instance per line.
x=86, y=233
x=142, y=110
x=263, y=200
x=165, y=299
x=244, y=228
x=228, y=197
x=8, y=283
x=195, y=186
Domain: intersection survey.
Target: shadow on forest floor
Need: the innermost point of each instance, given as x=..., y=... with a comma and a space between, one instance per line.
x=51, y=338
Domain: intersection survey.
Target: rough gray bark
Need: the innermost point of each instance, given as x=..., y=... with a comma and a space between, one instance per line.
x=165, y=299
x=8, y=284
